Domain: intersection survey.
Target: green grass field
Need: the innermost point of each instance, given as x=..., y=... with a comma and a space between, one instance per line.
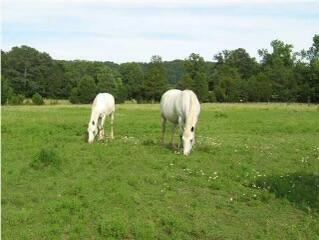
x=253, y=174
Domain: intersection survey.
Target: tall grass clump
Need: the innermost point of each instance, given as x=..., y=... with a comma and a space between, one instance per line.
x=44, y=159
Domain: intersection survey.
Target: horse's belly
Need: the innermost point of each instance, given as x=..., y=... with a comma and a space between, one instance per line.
x=170, y=115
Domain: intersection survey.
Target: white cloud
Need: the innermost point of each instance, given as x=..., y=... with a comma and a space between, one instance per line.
x=125, y=30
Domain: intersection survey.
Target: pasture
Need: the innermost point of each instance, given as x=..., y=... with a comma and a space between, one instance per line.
x=253, y=174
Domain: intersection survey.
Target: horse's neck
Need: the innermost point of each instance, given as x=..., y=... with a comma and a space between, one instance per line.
x=190, y=116
x=94, y=116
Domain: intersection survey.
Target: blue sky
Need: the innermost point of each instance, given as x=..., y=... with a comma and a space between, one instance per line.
x=134, y=30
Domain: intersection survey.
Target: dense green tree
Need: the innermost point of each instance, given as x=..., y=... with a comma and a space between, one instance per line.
x=6, y=90
x=120, y=91
x=105, y=81
x=27, y=70
x=196, y=70
x=133, y=77
x=175, y=71
x=85, y=91
x=186, y=82
x=219, y=94
x=58, y=85
x=313, y=56
x=74, y=96
x=259, y=88
x=201, y=86
x=281, y=75
x=231, y=88
x=246, y=66
x=155, y=79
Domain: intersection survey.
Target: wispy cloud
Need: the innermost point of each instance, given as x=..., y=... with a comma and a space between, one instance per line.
x=125, y=30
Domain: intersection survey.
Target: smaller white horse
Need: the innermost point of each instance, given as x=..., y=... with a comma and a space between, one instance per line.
x=103, y=105
x=181, y=108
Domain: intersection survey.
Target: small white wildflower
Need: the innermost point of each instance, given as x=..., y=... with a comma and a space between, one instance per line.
x=231, y=199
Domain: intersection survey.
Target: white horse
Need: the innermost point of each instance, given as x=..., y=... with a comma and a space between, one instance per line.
x=103, y=105
x=181, y=108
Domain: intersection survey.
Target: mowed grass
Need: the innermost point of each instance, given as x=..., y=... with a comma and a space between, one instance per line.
x=253, y=174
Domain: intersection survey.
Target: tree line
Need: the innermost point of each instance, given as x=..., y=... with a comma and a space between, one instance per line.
x=281, y=75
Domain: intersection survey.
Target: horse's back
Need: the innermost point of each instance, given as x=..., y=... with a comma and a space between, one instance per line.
x=104, y=103
x=176, y=103
x=168, y=104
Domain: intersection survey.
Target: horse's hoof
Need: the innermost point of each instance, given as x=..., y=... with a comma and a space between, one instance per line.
x=174, y=146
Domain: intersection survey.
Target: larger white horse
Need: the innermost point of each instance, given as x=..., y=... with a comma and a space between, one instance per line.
x=181, y=108
x=103, y=105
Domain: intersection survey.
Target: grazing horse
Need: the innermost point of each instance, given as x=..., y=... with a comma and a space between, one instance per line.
x=103, y=105
x=181, y=108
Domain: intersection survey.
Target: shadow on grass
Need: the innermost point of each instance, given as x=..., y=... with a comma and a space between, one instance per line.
x=300, y=188
x=152, y=142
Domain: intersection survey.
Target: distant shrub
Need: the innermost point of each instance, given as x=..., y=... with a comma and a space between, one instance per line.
x=37, y=99
x=27, y=102
x=45, y=158
x=212, y=97
x=74, y=98
x=16, y=99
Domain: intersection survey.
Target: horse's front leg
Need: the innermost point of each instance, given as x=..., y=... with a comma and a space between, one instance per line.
x=101, y=128
x=163, y=123
x=181, y=127
x=173, y=133
x=112, y=120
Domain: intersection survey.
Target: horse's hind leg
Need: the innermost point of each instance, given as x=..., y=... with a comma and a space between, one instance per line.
x=163, y=123
x=181, y=127
x=173, y=133
x=101, y=127
x=112, y=120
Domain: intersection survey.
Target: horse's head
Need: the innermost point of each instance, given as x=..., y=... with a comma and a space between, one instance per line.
x=92, y=131
x=188, y=139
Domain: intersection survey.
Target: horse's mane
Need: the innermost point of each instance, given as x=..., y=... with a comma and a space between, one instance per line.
x=191, y=112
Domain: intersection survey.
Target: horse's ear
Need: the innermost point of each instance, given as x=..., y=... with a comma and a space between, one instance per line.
x=192, y=129
x=93, y=122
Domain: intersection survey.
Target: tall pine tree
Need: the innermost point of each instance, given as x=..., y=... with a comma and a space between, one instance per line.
x=196, y=71
x=155, y=79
